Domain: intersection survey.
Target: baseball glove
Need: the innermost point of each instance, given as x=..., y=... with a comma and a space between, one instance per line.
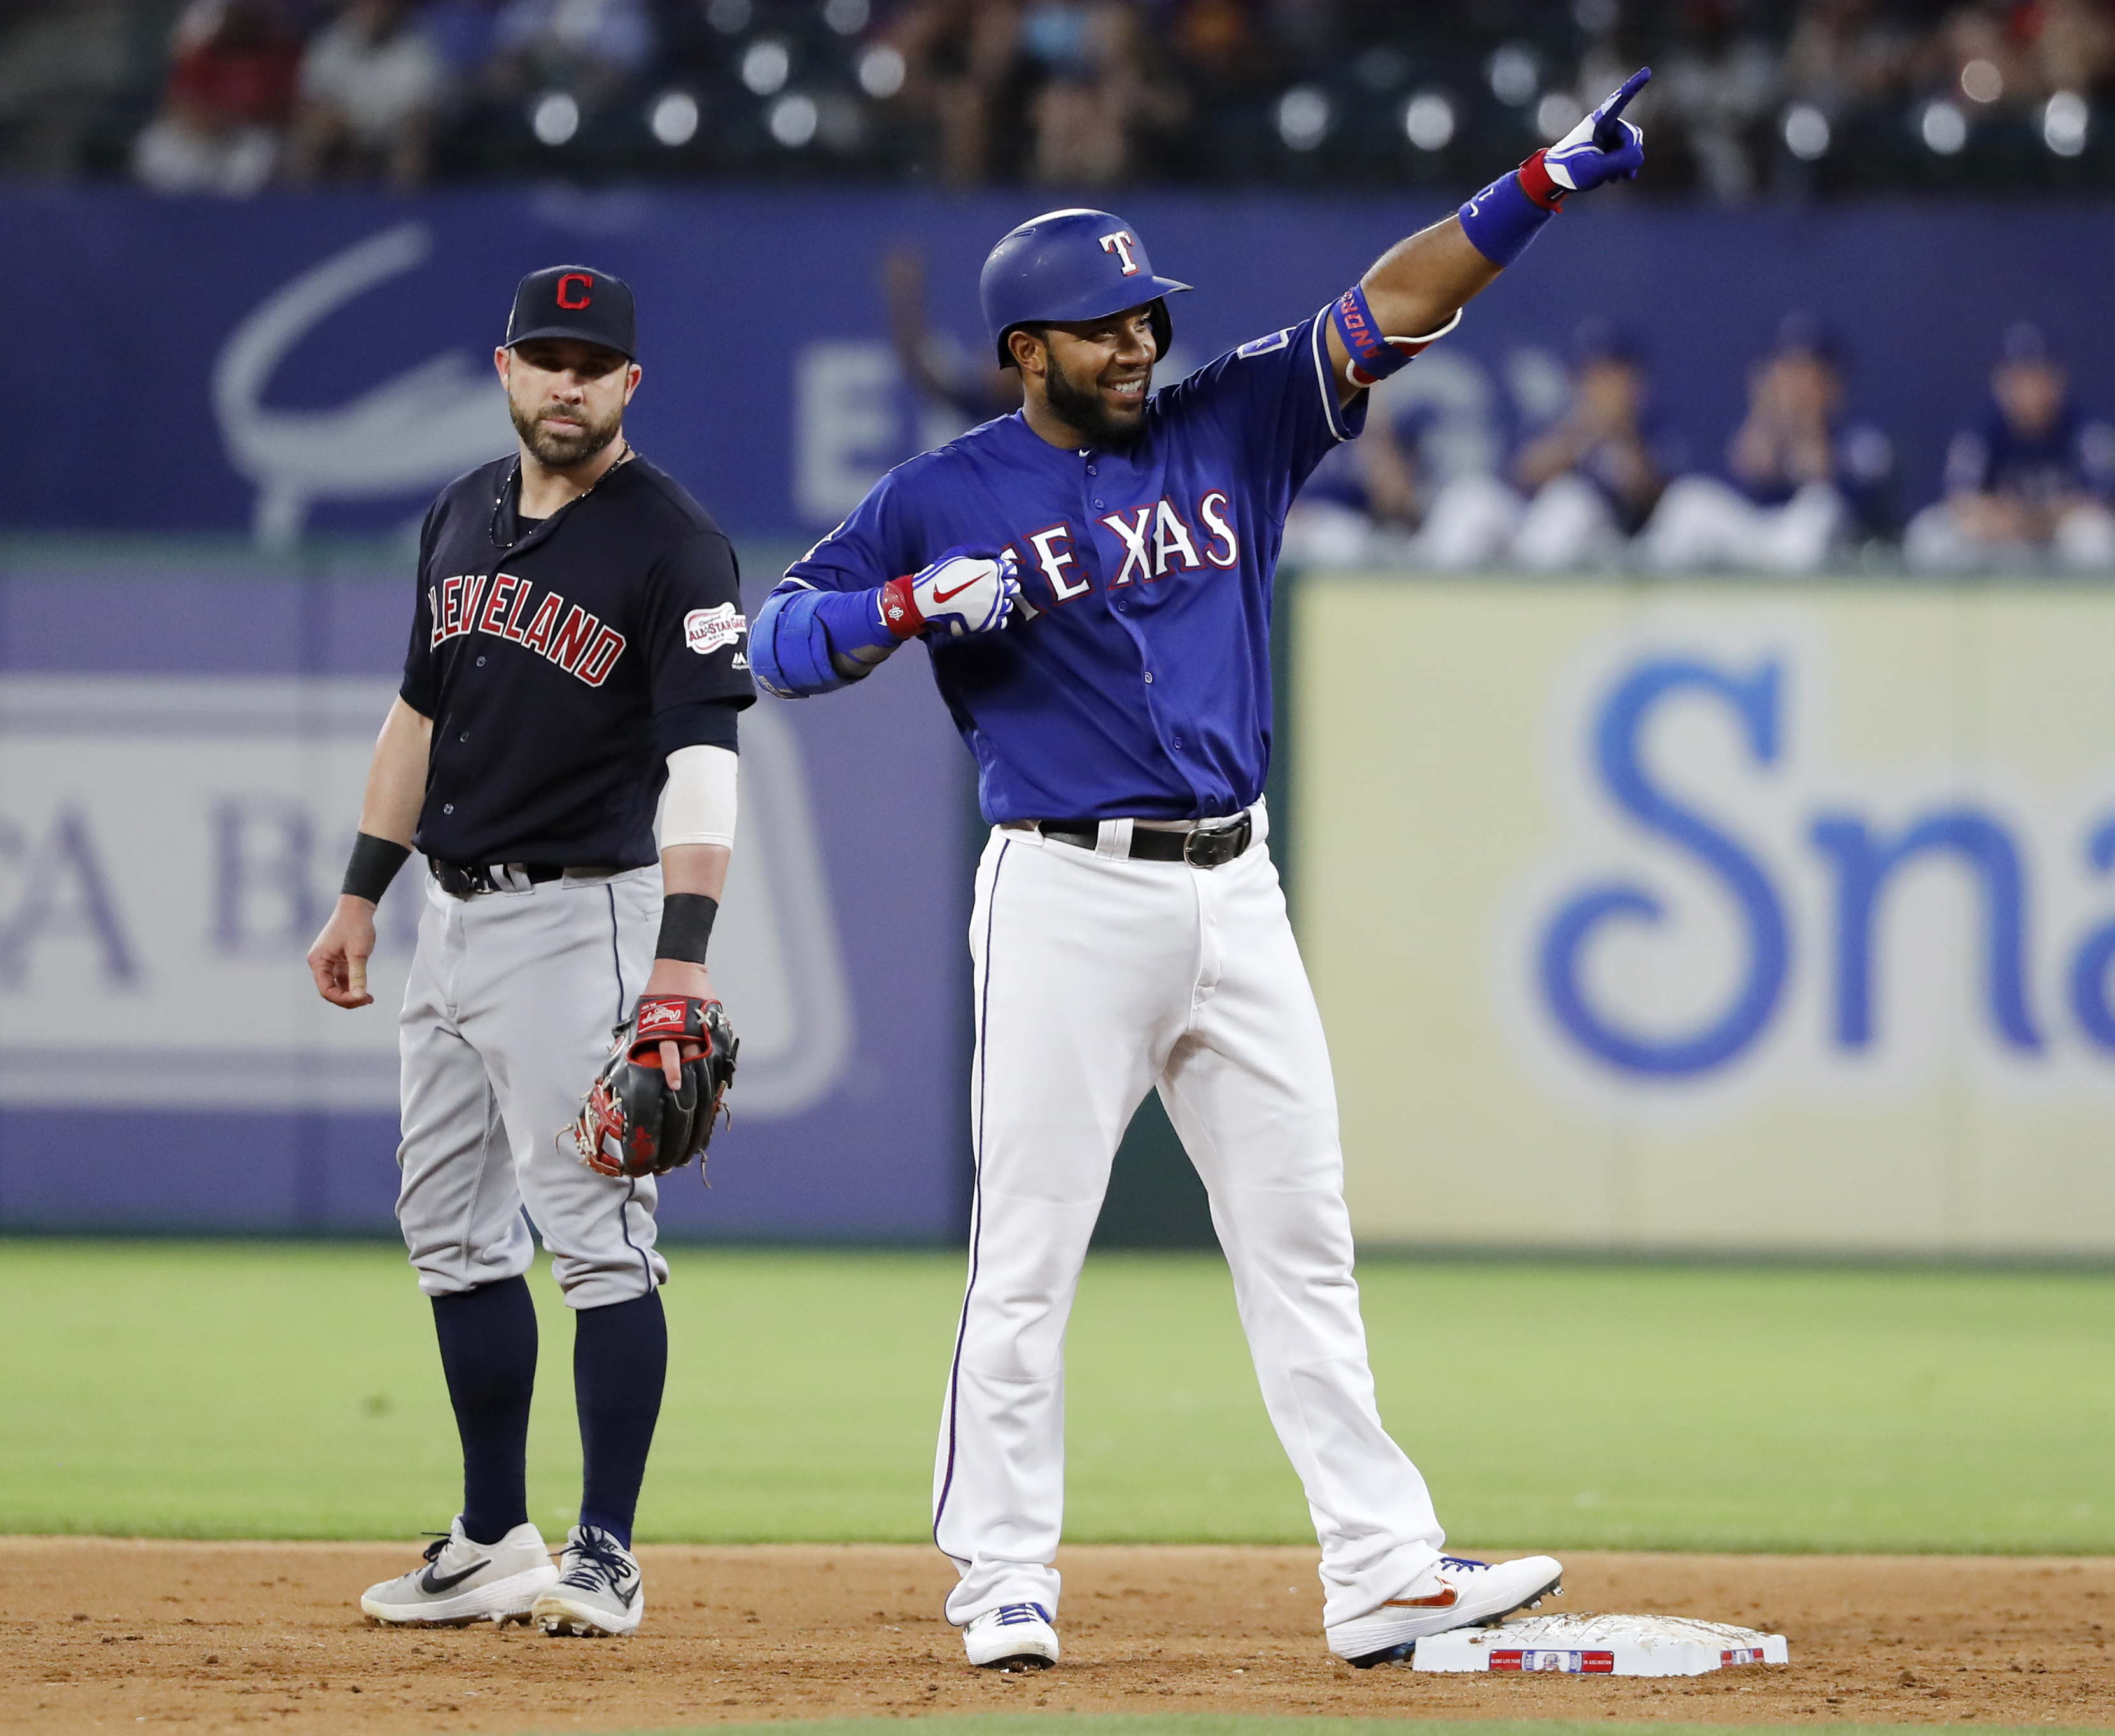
x=631, y=1123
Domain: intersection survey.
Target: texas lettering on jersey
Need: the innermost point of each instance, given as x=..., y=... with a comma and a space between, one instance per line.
x=1156, y=539
x=498, y=604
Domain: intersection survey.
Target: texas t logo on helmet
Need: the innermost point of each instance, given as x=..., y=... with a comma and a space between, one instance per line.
x=1071, y=265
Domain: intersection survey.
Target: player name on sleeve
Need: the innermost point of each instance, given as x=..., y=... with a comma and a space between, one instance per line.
x=498, y=604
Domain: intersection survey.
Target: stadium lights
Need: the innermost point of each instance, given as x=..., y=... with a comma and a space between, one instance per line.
x=730, y=17
x=1303, y=117
x=1514, y=76
x=1429, y=121
x=673, y=118
x=1981, y=81
x=554, y=117
x=1806, y=132
x=793, y=120
x=1556, y=114
x=2065, y=118
x=846, y=17
x=1943, y=127
x=881, y=70
x=765, y=66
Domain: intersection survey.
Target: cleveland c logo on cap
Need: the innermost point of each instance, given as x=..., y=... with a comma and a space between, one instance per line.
x=565, y=287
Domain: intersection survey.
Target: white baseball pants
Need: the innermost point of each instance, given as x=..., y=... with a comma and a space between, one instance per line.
x=1097, y=978
x=507, y=1019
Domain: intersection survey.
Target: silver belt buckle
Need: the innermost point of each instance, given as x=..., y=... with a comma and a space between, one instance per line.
x=1238, y=835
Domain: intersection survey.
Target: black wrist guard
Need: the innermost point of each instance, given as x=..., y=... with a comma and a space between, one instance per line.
x=686, y=926
x=373, y=865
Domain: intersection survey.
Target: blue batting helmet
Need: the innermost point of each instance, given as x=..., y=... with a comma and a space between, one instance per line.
x=1067, y=265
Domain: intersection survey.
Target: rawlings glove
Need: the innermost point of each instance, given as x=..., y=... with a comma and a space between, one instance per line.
x=966, y=590
x=1604, y=147
x=631, y=1123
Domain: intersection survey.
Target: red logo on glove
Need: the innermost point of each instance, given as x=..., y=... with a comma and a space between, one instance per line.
x=662, y=1015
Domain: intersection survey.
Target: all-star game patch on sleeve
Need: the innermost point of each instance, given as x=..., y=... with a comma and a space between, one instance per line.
x=697, y=643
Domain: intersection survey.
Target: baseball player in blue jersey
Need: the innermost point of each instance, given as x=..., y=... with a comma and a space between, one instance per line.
x=1092, y=577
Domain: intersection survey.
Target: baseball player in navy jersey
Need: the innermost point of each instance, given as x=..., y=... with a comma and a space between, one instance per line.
x=576, y=659
x=1092, y=577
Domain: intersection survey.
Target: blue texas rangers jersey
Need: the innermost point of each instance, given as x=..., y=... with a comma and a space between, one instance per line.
x=1133, y=678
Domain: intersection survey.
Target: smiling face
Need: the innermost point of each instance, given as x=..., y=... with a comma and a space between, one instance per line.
x=1089, y=377
x=566, y=397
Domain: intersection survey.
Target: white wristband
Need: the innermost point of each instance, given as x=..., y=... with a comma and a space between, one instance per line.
x=698, y=806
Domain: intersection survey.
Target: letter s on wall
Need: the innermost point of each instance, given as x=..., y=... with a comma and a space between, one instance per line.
x=1754, y=699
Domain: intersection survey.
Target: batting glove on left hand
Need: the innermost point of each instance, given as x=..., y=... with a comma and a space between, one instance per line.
x=1604, y=147
x=966, y=590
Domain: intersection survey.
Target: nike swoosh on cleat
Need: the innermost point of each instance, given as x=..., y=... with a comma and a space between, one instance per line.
x=1445, y=1600
x=432, y=1581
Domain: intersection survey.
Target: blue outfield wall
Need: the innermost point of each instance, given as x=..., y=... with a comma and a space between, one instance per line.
x=184, y=726
x=321, y=361
x=181, y=752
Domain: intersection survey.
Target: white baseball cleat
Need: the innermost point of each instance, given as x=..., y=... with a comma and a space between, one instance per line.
x=599, y=1592
x=1015, y=1636
x=1451, y=1593
x=464, y=1581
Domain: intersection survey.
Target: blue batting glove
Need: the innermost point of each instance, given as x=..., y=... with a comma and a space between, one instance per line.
x=1604, y=147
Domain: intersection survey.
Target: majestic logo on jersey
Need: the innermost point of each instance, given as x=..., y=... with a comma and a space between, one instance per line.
x=1120, y=245
x=705, y=630
x=1256, y=346
x=498, y=604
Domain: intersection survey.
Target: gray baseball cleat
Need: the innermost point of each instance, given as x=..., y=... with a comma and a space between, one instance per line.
x=1453, y=1592
x=599, y=1592
x=1015, y=1636
x=464, y=1581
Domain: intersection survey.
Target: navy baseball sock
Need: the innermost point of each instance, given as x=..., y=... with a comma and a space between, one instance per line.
x=620, y=1364
x=489, y=1351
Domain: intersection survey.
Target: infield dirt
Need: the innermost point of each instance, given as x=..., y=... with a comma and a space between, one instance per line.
x=221, y=1635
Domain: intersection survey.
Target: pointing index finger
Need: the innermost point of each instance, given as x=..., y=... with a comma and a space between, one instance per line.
x=1613, y=107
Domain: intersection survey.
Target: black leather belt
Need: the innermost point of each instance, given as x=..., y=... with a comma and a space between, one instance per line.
x=1203, y=847
x=469, y=879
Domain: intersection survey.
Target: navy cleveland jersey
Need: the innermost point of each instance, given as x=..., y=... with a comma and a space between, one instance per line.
x=563, y=659
x=1133, y=678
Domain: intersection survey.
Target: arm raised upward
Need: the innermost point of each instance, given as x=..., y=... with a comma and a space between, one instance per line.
x=1414, y=293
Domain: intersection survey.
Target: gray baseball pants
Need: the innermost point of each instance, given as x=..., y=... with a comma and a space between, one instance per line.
x=507, y=1019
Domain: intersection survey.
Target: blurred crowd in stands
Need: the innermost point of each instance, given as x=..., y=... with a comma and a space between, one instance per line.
x=1572, y=466
x=1593, y=479
x=1752, y=98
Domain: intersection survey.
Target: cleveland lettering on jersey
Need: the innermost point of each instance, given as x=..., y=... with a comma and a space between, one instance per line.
x=495, y=602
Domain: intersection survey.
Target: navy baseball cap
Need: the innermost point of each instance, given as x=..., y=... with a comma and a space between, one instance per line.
x=574, y=301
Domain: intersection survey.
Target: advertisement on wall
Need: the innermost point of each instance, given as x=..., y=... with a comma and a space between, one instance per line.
x=1714, y=917
x=182, y=754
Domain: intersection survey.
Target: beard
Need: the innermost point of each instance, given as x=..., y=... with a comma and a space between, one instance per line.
x=561, y=451
x=1086, y=410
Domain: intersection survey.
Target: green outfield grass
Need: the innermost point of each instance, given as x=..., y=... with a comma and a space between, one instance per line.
x=274, y=1391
